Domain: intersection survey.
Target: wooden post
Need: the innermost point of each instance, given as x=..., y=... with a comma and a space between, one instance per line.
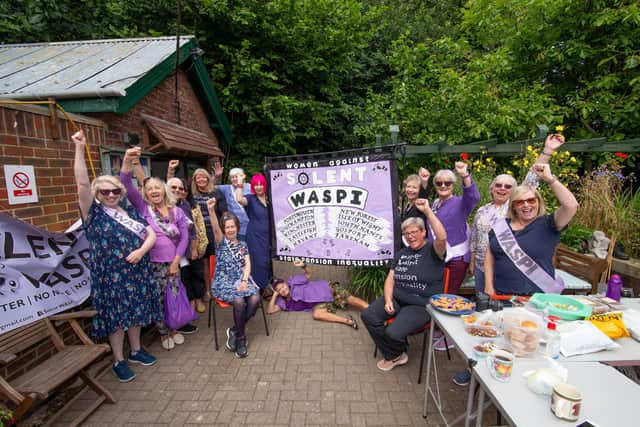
x=53, y=119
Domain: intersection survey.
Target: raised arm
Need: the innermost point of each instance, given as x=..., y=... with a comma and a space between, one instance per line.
x=215, y=225
x=85, y=198
x=568, y=203
x=552, y=142
x=303, y=265
x=439, y=233
x=424, y=175
x=171, y=169
x=131, y=155
x=470, y=193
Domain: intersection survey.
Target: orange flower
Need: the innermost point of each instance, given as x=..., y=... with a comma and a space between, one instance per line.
x=621, y=155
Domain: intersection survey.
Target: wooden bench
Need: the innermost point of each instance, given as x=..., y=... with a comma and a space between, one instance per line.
x=69, y=362
x=584, y=272
x=583, y=266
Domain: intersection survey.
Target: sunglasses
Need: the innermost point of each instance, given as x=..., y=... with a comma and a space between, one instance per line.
x=176, y=188
x=521, y=202
x=444, y=183
x=501, y=185
x=114, y=191
x=410, y=233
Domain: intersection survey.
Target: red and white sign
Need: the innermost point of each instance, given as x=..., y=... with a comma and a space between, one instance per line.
x=21, y=184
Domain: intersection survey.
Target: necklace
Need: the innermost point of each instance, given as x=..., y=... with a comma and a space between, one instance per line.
x=166, y=219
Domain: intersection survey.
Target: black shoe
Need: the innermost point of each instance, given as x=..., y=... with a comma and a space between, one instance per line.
x=241, y=347
x=231, y=340
x=188, y=329
x=618, y=251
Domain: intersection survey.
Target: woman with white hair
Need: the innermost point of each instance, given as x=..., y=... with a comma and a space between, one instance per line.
x=236, y=178
x=500, y=190
x=453, y=212
x=122, y=288
x=519, y=260
x=158, y=207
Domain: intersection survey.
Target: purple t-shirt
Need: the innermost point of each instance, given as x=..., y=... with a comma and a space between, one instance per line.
x=164, y=250
x=305, y=294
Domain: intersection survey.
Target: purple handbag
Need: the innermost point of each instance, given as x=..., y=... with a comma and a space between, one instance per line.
x=177, y=309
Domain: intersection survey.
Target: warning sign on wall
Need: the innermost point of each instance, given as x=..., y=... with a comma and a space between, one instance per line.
x=21, y=184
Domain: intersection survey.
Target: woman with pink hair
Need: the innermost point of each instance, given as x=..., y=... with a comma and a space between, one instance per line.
x=255, y=204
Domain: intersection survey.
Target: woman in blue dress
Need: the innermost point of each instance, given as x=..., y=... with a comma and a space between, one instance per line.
x=258, y=229
x=232, y=281
x=122, y=286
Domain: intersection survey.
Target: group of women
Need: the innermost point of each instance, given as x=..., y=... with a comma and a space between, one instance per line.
x=508, y=248
x=139, y=249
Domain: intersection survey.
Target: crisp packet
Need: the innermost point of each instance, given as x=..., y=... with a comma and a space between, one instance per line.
x=611, y=324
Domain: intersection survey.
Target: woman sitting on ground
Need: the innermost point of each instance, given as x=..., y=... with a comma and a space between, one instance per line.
x=416, y=274
x=232, y=282
x=299, y=293
x=122, y=289
x=530, y=238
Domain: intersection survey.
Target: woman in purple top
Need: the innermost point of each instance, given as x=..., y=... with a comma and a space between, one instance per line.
x=169, y=224
x=300, y=294
x=453, y=212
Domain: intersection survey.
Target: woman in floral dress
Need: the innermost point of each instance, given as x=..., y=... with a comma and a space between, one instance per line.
x=122, y=288
x=232, y=280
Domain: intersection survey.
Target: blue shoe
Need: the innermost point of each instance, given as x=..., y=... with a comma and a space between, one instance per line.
x=143, y=358
x=462, y=378
x=123, y=371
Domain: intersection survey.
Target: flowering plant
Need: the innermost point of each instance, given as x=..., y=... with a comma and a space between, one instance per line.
x=6, y=417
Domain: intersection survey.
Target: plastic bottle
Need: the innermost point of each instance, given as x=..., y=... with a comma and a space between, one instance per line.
x=552, y=336
x=614, y=287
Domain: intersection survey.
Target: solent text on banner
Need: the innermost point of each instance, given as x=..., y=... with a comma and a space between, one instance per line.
x=41, y=273
x=334, y=208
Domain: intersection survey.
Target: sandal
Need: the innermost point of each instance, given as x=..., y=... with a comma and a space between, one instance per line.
x=354, y=324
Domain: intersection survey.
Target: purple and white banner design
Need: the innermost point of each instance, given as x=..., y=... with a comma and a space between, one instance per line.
x=334, y=208
x=41, y=272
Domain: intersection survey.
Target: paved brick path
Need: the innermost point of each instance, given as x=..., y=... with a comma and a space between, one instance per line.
x=306, y=373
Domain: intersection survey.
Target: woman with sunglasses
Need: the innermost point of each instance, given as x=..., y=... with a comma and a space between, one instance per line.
x=157, y=206
x=191, y=274
x=453, y=212
x=255, y=205
x=530, y=239
x=202, y=189
x=232, y=282
x=122, y=287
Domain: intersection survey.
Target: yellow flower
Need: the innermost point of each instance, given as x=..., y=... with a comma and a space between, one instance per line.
x=529, y=148
x=573, y=159
x=525, y=162
x=560, y=128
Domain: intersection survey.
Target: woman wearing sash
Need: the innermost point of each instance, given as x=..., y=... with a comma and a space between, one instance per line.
x=122, y=287
x=500, y=190
x=170, y=225
x=453, y=212
x=232, y=282
x=519, y=260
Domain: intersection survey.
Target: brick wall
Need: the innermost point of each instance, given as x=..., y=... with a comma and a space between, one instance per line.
x=159, y=103
x=25, y=139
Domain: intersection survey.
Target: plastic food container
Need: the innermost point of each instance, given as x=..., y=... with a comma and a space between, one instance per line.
x=484, y=348
x=522, y=331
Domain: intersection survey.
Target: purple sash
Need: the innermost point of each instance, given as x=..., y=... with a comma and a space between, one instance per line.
x=129, y=223
x=519, y=257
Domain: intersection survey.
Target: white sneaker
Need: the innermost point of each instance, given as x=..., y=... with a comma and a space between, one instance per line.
x=178, y=338
x=167, y=343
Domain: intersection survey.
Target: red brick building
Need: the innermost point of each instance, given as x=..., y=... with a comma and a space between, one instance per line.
x=122, y=92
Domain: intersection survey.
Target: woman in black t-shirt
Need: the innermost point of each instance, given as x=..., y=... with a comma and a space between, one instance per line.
x=416, y=274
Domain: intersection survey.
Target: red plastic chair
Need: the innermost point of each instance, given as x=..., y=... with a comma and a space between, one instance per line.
x=213, y=302
x=424, y=331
